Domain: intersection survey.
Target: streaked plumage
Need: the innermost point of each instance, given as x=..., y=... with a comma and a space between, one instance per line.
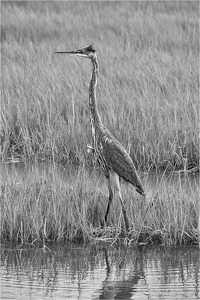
x=113, y=158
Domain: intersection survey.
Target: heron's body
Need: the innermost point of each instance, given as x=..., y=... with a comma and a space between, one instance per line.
x=114, y=159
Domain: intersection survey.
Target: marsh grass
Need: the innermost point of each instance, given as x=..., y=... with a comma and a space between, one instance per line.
x=42, y=204
x=148, y=97
x=148, y=85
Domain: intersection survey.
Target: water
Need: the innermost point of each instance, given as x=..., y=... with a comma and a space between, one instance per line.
x=100, y=272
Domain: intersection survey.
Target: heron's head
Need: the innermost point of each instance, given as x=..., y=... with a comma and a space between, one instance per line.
x=88, y=52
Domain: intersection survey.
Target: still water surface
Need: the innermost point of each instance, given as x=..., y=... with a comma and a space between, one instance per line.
x=100, y=272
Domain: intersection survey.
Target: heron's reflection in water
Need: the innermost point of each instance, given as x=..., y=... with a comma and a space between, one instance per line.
x=121, y=279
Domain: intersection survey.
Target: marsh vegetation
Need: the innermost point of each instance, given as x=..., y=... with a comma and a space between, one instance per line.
x=43, y=204
x=148, y=97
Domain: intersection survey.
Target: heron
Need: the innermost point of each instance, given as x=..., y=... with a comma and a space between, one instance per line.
x=114, y=160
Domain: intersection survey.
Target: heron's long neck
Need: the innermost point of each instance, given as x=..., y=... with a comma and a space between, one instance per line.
x=92, y=92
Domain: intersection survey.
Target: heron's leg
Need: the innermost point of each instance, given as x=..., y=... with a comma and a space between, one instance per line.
x=109, y=199
x=116, y=177
x=124, y=212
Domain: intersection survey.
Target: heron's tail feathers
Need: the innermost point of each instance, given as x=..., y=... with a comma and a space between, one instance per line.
x=140, y=190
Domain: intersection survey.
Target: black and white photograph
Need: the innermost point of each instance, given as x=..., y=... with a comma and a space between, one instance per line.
x=100, y=146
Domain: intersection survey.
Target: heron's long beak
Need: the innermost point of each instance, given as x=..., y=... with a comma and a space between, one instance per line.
x=78, y=52
x=67, y=52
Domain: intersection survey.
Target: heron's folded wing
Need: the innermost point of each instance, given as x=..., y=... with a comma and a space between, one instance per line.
x=120, y=161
